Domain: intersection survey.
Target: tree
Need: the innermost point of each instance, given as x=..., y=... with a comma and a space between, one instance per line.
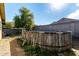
x=9, y=25
x=25, y=19
x=17, y=21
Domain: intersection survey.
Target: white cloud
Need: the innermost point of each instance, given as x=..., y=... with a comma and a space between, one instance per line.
x=57, y=6
x=74, y=15
x=77, y=4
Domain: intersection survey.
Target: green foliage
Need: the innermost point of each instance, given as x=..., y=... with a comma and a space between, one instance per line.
x=35, y=50
x=31, y=50
x=25, y=19
x=69, y=53
x=17, y=22
x=8, y=25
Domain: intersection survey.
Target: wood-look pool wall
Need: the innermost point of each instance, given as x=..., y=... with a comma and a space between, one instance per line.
x=57, y=41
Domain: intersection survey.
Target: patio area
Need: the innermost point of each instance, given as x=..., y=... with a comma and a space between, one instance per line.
x=9, y=47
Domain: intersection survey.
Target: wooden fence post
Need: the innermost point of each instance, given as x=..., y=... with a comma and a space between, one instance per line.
x=60, y=42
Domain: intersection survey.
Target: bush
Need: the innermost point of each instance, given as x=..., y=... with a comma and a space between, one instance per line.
x=31, y=50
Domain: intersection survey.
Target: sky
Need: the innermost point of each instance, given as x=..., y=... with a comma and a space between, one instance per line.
x=44, y=13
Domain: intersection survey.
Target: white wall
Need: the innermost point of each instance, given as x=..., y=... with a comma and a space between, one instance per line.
x=0, y=28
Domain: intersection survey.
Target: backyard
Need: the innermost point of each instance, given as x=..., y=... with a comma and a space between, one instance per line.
x=24, y=35
x=15, y=48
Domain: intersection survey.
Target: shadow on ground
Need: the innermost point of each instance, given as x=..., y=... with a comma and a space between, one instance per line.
x=75, y=43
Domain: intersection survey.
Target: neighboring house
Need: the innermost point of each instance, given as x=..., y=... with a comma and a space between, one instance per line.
x=64, y=24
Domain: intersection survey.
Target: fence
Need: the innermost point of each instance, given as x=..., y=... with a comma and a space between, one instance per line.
x=11, y=32
x=58, y=41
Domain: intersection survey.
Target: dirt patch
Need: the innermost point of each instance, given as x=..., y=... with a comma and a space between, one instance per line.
x=15, y=49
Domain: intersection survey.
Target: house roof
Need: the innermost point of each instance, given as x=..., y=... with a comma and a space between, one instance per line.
x=65, y=20
x=2, y=12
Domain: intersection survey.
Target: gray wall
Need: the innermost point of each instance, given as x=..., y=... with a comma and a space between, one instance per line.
x=72, y=26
